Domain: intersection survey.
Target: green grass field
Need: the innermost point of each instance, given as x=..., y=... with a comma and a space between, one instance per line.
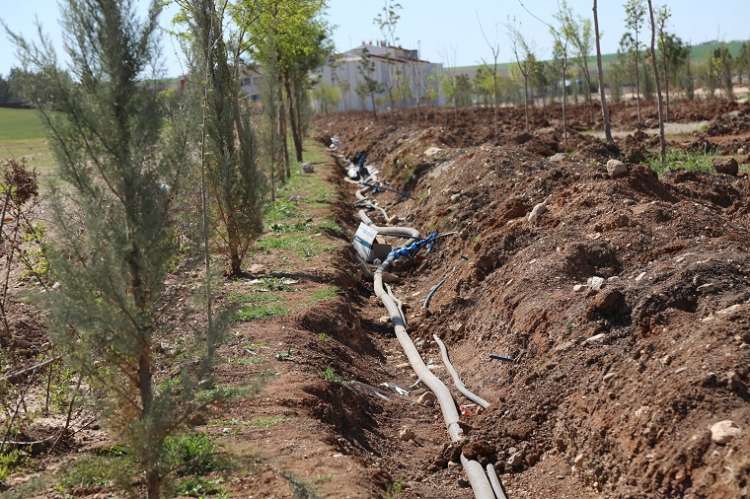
x=20, y=124
x=22, y=135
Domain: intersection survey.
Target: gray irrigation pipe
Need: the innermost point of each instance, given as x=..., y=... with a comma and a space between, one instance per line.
x=435, y=288
x=456, y=377
x=478, y=479
x=405, y=232
x=497, y=487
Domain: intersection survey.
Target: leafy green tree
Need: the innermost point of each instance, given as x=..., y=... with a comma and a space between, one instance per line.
x=662, y=18
x=657, y=79
x=295, y=35
x=4, y=91
x=235, y=181
x=743, y=62
x=600, y=77
x=579, y=33
x=370, y=86
x=675, y=54
x=484, y=84
x=525, y=62
x=635, y=17
x=722, y=64
x=560, y=67
x=120, y=168
x=327, y=96
x=387, y=21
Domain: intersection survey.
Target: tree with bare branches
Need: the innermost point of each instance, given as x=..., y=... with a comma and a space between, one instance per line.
x=659, y=101
x=600, y=71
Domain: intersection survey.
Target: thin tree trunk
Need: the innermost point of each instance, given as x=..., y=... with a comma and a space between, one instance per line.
x=637, y=79
x=284, y=134
x=526, y=100
x=662, y=139
x=602, y=92
x=666, y=75
x=565, y=101
x=296, y=132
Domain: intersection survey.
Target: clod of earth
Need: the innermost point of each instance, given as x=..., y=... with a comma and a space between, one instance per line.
x=727, y=166
x=724, y=432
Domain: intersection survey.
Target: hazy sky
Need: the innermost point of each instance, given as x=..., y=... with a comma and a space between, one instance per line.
x=446, y=30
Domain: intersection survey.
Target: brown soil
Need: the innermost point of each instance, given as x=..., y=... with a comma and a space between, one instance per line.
x=611, y=393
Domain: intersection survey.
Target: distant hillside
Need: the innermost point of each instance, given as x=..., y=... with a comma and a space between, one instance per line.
x=699, y=54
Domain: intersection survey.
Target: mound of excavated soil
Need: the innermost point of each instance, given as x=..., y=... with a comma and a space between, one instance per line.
x=625, y=306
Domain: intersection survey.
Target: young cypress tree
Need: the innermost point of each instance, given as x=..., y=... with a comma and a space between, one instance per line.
x=119, y=170
x=236, y=183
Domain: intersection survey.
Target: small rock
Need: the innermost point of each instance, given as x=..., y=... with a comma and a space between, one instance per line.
x=515, y=460
x=729, y=311
x=478, y=449
x=427, y=399
x=640, y=277
x=538, y=210
x=726, y=166
x=432, y=151
x=406, y=434
x=608, y=305
x=595, y=339
x=308, y=168
x=616, y=168
x=456, y=327
x=383, y=319
x=596, y=283
x=256, y=268
x=579, y=287
x=557, y=158
x=455, y=197
x=724, y=431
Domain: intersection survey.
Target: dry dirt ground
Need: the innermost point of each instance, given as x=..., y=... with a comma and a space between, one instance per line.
x=612, y=392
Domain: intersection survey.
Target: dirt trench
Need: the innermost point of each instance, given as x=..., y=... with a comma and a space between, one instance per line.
x=616, y=384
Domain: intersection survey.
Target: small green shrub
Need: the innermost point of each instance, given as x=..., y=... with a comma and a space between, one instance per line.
x=9, y=462
x=90, y=473
x=331, y=376
x=200, y=487
x=255, y=312
x=192, y=454
x=266, y=421
x=303, y=245
x=324, y=294
x=683, y=160
x=394, y=490
x=300, y=489
x=241, y=298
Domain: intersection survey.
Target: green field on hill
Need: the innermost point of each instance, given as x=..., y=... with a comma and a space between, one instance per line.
x=20, y=124
x=22, y=136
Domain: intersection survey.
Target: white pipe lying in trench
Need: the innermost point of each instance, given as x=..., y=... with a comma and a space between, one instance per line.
x=406, y=232
x=479, y=480
x=456, y=378
x=497, y=487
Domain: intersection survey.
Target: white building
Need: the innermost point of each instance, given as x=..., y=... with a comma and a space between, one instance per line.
x=406, y=79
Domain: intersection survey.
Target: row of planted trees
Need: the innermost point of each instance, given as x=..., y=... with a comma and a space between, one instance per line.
x=146, y=178
x=630, y=71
